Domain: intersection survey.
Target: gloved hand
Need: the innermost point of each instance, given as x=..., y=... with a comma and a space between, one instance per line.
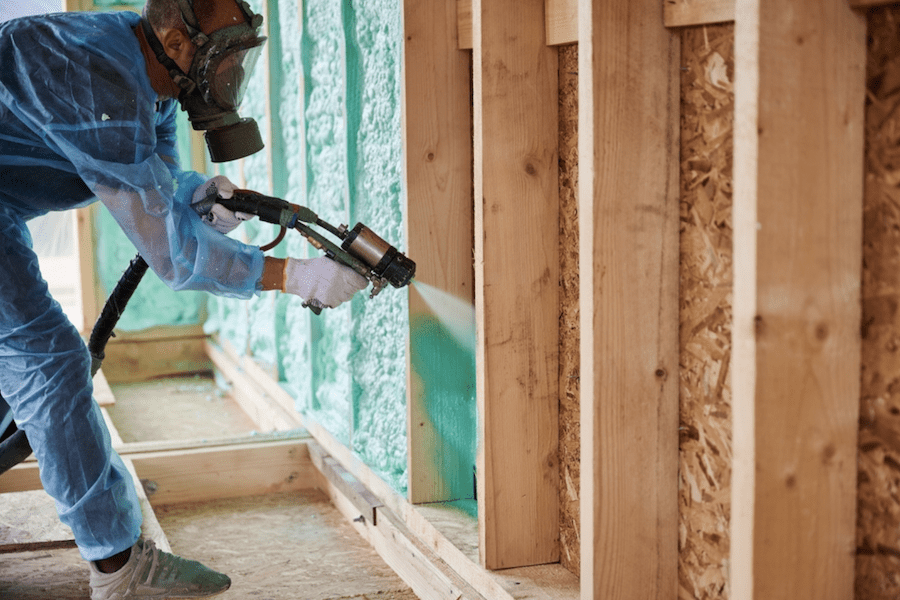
x=220, y=218
x=322, y=282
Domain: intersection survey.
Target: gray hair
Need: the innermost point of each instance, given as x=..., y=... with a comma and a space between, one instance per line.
x=164, y=14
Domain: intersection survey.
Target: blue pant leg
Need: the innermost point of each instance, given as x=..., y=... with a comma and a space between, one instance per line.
x=45, y=378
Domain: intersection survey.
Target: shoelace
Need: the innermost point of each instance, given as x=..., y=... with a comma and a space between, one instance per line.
x=148, y=551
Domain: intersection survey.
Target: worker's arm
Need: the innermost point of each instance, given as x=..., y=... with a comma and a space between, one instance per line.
x=273, y=274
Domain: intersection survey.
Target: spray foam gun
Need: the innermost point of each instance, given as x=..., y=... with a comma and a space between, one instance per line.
x=361, y=249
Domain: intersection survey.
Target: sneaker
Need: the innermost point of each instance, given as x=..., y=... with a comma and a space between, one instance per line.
x=151, y=574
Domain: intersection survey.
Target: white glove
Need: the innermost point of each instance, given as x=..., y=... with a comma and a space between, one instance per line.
x=322, y=282
x=220, y=218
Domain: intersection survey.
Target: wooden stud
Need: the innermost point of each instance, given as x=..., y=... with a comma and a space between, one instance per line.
x=234, y=471
x=438, y=169
x=464, y=24
x=90, y=292
x=561, y=17
x=798, y=175
x=516, y=282
x=629, y=217
x=679, y=13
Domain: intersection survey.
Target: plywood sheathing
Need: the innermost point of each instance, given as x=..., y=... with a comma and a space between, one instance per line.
x=281, y=547
x=569, y=332
x=878, y=513
x=43, y=574
x=177, y=408
x=707, y=119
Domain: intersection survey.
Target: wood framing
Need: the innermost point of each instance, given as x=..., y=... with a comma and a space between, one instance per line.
x=560, y=22
x=393, y=542
x=89, y=283
x=628, y=197
x=155, y=352
x=680, y=13
x=797, y=269
x=438, y=169
x=516, y=282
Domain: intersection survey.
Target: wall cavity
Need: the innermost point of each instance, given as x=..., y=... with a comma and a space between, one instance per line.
x=328, y=102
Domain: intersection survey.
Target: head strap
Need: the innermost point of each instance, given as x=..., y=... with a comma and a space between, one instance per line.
x=175, y=72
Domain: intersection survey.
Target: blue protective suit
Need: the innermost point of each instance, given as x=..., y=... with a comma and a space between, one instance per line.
x=79, y=121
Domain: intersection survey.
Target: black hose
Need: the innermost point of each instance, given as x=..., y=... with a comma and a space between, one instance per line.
x=113, y=309
x=14, y=450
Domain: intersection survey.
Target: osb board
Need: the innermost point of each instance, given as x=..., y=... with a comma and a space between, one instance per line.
x=44, y=575
x=28, y=521
x=176, y=408
x=878, y=513
x=569, y=330
x=282, y=546
x=279, y=547
x=707, y=118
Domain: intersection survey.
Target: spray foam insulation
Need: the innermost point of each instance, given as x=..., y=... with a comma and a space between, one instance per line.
x=707, y=119
x=328, y=101
x=878, y=509
x=569, y=326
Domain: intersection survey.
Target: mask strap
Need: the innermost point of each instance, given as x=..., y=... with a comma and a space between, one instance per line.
x=175, y=72
x=190, y=22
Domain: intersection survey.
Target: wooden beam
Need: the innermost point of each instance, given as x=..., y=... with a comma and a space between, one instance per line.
x=516, y=282
x=798, y=175
x=102, y=392
x=438, y=160
x=414, y=562
x=681, y=13
x=235, y=471
x=348, y=485
x=90, y=284
x=173, y=464
x=464, y=23
x=628, y=219
x=260, y=405
x=561, y=18
x=560, y=22
x=156, y=353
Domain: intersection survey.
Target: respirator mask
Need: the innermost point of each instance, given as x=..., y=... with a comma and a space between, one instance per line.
x=212, y=90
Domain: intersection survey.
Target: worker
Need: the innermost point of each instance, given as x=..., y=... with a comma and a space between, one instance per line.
x=87, y=111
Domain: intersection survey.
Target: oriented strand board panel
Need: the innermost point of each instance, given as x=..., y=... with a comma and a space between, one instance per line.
x=516, y=282
x=300, y=547
x=439, y=212
x=28, y=521
x=569, y=320
x=878, y=500
x=628, y=205
x=797, y=267
x=704, y=486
